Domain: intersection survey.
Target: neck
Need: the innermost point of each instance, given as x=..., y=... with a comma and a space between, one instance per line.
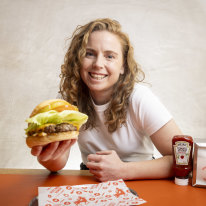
x=100, y=99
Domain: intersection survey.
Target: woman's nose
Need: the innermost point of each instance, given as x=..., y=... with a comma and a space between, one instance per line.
x=98, y=62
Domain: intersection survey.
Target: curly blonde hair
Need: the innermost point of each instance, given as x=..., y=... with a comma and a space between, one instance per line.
x=75, y=91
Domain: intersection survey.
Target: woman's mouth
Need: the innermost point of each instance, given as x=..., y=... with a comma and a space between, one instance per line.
x=97, y=76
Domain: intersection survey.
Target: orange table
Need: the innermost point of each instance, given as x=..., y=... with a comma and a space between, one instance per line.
x=18, y=187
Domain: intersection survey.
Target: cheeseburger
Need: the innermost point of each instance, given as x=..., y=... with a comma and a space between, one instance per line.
x=53, y=120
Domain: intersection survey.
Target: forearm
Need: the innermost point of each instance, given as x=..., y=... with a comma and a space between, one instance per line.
x=57, y=164
x=150, y=169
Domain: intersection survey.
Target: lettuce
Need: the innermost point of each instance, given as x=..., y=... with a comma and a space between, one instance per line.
x=53, y=117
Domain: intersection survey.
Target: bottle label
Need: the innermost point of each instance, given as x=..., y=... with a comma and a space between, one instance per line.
x=182, y=152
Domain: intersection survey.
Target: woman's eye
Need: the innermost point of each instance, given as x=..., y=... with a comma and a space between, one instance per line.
x=110, y=56
x=88, y=54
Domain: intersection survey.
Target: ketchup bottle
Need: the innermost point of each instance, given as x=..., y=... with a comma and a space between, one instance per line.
x=182, y=158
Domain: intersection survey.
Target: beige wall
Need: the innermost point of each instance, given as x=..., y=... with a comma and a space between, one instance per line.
x=169, y=41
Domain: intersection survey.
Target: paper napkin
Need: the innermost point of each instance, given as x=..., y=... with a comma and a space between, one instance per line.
x=111, y=193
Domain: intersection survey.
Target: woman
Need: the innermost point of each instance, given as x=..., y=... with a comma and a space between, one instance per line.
x=101, y=77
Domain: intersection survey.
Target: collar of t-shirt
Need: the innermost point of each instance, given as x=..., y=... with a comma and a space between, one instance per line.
x=100, y=108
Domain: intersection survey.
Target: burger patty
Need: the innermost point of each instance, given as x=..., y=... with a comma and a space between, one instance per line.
x=55, y=128
x=63, y=127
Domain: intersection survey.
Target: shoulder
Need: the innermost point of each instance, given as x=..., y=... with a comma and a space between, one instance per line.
x=139, y=101
x=140, y=92
x=143, y=98
x=147, y=109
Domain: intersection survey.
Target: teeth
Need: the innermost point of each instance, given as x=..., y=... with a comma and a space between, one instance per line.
x=97, y=76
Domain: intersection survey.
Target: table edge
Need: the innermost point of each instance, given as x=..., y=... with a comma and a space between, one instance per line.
x=43, y=171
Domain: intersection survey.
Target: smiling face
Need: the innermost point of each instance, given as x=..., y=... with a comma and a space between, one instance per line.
x=102, y=65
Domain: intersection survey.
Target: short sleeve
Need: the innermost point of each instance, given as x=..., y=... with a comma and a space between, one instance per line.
x=150, y=113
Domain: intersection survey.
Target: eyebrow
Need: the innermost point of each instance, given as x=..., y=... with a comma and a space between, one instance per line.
x=107, y=51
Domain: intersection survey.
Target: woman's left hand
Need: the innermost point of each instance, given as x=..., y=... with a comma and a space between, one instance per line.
x=105, y=165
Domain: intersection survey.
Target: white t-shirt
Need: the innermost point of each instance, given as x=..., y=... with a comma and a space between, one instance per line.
x=146, y=114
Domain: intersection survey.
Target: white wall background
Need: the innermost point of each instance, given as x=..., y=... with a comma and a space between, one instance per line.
x=169, y=37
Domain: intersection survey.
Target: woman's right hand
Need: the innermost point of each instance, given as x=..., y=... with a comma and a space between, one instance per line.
x=53, y=155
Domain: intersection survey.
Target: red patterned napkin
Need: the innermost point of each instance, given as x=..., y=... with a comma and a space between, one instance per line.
x=111, y=193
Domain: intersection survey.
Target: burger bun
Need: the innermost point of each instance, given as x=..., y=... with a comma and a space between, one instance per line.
x=32, y=141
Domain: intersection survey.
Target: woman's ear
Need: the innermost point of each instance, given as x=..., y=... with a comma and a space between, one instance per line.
x=122, y=70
